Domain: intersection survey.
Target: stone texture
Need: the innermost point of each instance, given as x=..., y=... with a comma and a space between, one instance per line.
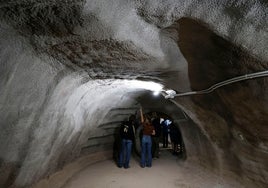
x=69, y=71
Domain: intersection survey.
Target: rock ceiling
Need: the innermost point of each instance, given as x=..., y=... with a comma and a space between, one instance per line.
x=68, y=70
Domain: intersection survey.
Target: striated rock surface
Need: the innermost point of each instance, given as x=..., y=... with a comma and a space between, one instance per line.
x=71, y=71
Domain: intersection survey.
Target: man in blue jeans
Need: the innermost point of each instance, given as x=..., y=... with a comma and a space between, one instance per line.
x=127, y=133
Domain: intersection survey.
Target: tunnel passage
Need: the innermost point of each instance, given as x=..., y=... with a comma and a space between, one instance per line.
x=196, y=145
x=60, y=63
x=109, y=129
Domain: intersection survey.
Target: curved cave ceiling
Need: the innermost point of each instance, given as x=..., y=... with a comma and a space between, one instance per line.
x=72, y=70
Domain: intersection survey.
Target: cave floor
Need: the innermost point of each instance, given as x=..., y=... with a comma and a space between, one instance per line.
x=167, y=172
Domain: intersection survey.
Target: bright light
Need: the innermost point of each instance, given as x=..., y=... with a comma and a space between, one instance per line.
x=152, y=86
x=156, y=93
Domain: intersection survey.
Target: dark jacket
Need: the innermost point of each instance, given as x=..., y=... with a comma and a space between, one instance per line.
x=174, y=133
x=157, y=127
x=165, y=127
x=127, y=131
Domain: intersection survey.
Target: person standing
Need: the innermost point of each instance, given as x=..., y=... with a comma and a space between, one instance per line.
x=165, y=125
x=127, y=134
x=146, y=142
x=156, y=137
x=175, y=138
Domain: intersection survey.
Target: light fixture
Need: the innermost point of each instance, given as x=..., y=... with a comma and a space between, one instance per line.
x=156, y=93
x=169, y=94
x=156, y=88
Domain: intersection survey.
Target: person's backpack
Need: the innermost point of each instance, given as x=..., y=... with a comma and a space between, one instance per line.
x=127, y=131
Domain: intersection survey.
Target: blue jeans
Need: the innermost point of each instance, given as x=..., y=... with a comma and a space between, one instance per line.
x=146, y=151
x=125, y=153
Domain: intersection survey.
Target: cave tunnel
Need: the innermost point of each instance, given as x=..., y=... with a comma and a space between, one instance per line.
x=72, y=71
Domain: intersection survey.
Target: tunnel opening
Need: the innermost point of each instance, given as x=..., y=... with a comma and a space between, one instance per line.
x=166, y=155
x=50, y=117
x=153, y=106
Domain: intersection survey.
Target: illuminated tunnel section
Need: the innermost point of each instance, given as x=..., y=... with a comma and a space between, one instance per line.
x=71, y=71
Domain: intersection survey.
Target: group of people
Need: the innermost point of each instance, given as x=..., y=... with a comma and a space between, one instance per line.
x=151, y=133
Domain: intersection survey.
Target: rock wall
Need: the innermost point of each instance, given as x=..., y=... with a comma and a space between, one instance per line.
x=65, y=65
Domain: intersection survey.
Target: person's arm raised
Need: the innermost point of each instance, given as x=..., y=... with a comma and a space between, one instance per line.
x=142, y=118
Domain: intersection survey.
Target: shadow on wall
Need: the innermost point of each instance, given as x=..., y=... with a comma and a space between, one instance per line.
x=226, y=116
x=210, y=57
x=10, y=173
